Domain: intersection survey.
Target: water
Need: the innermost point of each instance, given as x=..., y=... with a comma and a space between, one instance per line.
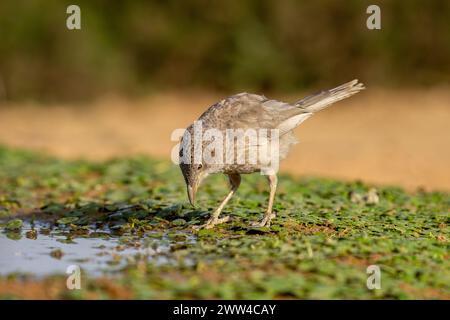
x=95, y=256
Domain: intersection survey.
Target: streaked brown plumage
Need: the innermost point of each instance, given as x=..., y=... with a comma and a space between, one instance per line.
x=251, y=111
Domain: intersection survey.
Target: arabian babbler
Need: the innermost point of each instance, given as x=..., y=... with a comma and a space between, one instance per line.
x=246, y=113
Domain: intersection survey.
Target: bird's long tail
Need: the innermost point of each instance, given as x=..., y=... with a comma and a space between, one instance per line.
x=323, y=99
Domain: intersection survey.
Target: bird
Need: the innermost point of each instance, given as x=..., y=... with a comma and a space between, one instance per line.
x=247, y=112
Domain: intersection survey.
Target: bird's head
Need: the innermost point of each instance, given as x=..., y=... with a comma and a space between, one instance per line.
x=193, y=174
x=193, y=171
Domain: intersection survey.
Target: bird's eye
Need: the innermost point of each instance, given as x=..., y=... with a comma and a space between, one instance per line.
x=199, y=166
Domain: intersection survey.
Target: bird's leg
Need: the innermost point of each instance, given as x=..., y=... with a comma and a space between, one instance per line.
x=273, y=180
x=235, y=181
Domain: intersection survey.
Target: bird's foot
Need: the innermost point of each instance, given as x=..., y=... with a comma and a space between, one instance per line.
x=211, y=223
x=265, y=222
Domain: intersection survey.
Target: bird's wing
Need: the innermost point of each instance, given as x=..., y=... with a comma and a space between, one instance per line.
x=245, y=110
x=288, y=116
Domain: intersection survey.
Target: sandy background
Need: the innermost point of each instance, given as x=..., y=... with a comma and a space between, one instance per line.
x=379, y=136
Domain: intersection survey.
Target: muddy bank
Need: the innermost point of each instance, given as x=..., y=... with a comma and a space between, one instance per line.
x=383, y=137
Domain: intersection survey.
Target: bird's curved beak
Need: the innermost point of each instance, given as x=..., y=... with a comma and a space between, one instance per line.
x=192, y=190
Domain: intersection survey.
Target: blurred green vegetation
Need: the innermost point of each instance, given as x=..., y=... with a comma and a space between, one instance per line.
x=136, y=47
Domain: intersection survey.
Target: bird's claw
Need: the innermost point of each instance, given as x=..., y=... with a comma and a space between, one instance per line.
x=211, y=223
x=265, y=222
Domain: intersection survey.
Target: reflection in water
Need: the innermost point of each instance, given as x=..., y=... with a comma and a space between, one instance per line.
x=51, y=253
